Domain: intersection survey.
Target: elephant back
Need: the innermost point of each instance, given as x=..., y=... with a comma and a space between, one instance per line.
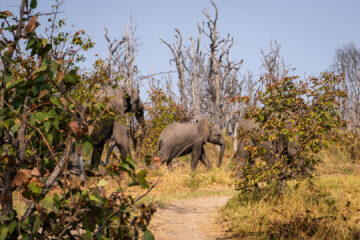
x=114, y=97
x=178, y=132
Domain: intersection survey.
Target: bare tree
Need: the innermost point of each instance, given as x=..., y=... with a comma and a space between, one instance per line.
x=197, y=70
x=208, y=78
x=122, y=71
x=273, y=65
x=122, y=53
x=179, y=58
x=223, y=74
x=347, y=62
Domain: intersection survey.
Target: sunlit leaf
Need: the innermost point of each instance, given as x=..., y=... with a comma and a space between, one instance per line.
x=87, y=148
x=35, y=188
x=148, y=235
x=102, y=183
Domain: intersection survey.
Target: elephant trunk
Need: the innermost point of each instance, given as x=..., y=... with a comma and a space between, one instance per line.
x=222, y=150
x=139, y=114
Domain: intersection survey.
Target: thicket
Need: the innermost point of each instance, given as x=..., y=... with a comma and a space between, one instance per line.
x=42, y=102
x=296, y=117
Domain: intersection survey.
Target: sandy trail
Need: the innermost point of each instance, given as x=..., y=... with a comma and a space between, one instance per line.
x=189, y=219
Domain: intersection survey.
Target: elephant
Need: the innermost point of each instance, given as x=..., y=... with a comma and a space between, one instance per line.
x=249, y=133
x=179, y=139
x=123, y=100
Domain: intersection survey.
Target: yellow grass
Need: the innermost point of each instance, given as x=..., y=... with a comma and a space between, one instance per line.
x=329, y=210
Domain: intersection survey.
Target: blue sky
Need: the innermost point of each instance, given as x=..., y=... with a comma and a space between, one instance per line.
x=308, y=31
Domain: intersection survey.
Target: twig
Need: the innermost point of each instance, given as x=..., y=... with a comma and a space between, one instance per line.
x=37, y=129
x=152, y=186
x=55, y=173
x=154, y=74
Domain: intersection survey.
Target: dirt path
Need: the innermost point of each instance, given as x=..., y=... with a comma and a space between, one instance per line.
x=189, y=219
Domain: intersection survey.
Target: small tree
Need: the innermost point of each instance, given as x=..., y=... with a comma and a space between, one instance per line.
x=296, y=117
x=42, y=102
x=162, y=110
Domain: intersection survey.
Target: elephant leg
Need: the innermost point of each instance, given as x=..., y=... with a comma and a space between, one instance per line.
x=109, y=151
x=242, y=157
x=96, y=156
x=197, y=151
x=121, y=139
x=205, y=161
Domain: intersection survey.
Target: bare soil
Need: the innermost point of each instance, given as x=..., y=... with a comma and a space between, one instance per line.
x=190, y=219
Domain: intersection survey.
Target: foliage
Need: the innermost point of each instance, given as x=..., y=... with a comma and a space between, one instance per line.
x=162, y=110
x=45, y=116
x=296, y=117
x=77, y=212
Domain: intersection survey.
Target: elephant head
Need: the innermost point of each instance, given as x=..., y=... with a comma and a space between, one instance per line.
x=134, y=104
x=213, y=134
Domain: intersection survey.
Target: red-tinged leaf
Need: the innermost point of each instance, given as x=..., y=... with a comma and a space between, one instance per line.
x=74, y=126
x=21, y=177
x=63, y=102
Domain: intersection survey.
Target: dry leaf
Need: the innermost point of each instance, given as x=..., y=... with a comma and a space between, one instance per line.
x=43, y=93
x=35, y=172
x=21, y=177
x=90, y=129
x=7, y=13
x=31, y=25
x=0, y=30
x=63, y=102
x=60, y=76
x=59, y=61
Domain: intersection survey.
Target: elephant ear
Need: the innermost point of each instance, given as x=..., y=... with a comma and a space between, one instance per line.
x=204, y=128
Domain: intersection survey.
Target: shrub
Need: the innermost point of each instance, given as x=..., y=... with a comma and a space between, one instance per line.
x=41, y=120
x=296, y=117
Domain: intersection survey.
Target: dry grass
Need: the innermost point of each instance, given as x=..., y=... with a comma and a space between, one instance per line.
x=181, y=183
x=330, y=209
x=175, y=183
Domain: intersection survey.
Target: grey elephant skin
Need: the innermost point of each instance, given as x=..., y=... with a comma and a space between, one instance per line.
x=179, y=139
x=123, y=100
x=249, y=133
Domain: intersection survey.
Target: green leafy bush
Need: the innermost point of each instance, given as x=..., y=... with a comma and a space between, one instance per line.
x=296, y=117
x=42, y=122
